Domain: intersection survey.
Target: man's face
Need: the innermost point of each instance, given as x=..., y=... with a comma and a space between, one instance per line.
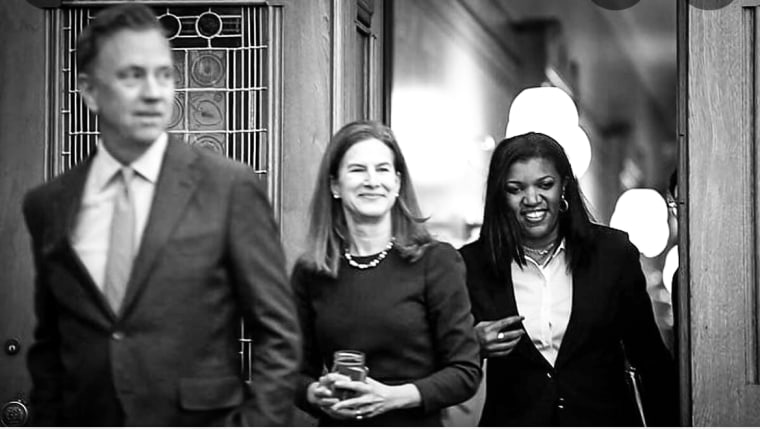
x=130, y=86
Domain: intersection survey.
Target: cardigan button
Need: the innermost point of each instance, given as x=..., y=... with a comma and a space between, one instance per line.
x=118, y=335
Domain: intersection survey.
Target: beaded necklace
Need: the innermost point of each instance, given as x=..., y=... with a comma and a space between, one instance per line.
x=374, y=262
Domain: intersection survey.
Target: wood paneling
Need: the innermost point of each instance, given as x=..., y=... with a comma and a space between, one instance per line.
x=319, y=96
x=22, y=143
x=722, y=206
x=306, y=111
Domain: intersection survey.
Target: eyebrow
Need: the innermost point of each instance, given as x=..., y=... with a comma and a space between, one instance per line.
x=548, y=176
x=361, y=164
x=133, y=66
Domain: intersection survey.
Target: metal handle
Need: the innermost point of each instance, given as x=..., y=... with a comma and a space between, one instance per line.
x=14, y=413
x=12, y=346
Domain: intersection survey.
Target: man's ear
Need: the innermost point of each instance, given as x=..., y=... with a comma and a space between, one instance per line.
x=87, y=91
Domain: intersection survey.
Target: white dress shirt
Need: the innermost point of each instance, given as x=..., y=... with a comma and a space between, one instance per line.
x=544, y=296
x=91, y=234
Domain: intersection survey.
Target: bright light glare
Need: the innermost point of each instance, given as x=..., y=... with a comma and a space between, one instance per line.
x=671, y=264
x=643, y=214
x=543, y=104
x=551, y=111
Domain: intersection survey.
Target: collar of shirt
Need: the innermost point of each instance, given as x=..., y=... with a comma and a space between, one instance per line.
x=543, y=294
x=148, y=165
x=560, y=248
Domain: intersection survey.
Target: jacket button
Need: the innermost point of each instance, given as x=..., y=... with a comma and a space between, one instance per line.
x=548, y=375
x=117, y=335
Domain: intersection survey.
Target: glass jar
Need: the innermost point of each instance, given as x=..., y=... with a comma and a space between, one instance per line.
x=350, y=363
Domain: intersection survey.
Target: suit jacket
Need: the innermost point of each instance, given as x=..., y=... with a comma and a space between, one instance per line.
x=586, y=387
x=210, y=254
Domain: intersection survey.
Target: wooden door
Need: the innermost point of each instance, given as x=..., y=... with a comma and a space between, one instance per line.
x=22, y=147
x=357, y=60
x=723, y=171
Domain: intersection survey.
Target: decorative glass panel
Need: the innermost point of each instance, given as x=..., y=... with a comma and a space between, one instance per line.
x=220, y=55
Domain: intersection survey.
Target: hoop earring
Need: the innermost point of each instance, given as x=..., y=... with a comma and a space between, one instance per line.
x=566, y=204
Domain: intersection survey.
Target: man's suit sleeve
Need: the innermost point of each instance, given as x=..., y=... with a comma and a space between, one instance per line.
x=43, y=359
x=258, y=272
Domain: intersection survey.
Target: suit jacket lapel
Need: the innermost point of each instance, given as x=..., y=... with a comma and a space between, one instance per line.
x=66, y=204
x=176, y=184
x=503, y=298
x=525, y=346
x=67, y=201
x=583, y=305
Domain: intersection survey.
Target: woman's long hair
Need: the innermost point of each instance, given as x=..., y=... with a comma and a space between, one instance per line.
x=500, y=233
x=328, y=230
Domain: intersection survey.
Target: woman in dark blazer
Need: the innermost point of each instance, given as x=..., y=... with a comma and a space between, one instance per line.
x=559, y=302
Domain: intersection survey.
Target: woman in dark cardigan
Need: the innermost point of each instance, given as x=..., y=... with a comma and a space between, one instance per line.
x=559, y=302
x=373, y=280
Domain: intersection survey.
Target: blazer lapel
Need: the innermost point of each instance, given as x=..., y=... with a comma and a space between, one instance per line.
x=583, y=305
x=505, y=304
x=525, y=346
x=176, y=184
x=67, y=201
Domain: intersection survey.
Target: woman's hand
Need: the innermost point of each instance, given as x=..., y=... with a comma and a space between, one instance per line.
x=321, y=394
x=375, y=398
x=499, y=337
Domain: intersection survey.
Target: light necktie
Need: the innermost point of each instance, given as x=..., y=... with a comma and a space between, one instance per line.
x=121, y=242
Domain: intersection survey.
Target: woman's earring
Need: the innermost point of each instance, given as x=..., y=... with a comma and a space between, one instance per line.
x=563, y=204
x=336, y=196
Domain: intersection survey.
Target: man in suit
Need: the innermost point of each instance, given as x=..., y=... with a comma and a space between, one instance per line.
x=147, y=255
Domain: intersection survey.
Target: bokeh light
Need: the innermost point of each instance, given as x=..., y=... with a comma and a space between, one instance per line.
x=671, y=264
x=549, y=110
x=643, y=214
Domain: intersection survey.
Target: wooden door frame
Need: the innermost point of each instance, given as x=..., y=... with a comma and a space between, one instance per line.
x=718, y=125
x=682, y=312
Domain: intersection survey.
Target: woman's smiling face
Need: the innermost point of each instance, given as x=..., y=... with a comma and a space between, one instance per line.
x=533, y=193
x=367, y=182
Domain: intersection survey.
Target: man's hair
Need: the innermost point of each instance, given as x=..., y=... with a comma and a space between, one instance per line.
x=109, y=21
